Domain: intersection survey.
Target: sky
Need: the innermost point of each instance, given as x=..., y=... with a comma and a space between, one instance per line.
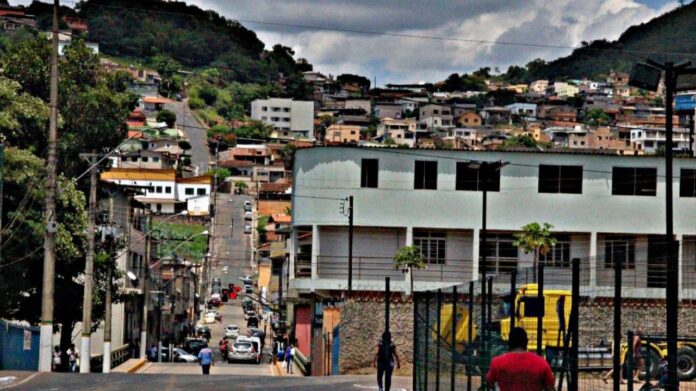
x=409, y=57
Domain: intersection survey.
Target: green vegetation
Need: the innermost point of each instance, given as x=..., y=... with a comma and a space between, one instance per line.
x=409, y=258
x=261, y=224
x=219, y=174
x=518, y=141
x=597, y=117
x=173, y=235
x=167, y=116
x=535, y=238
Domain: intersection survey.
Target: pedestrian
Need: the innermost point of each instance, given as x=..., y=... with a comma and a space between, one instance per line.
x=56, y=359
x=289, y=354
x=638, y=362
x=153, y=353
x=72, y=358
x=520, y=370
x=384, y=361
x=610, y=373
x=205, y=357
x=224, y=348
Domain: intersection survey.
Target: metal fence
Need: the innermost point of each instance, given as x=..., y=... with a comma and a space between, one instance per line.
x=570, y=319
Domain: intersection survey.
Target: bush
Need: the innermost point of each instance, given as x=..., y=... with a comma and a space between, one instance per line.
x=208, y=94
x=195, y=103
x=167, y=116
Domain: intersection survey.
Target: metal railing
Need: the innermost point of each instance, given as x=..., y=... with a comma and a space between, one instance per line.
x=377, y=268
x=118, y=357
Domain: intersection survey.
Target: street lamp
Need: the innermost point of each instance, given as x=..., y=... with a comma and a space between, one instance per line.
x=678, y=77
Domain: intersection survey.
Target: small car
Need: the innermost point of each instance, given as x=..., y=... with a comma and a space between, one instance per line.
x=194, y=345
x=231, y=331
x=210, y=317
x=203, y=331
x=243, y=350
x=252, y=321
x=248, y=216
x=180, y=355
x=247, y=229
x=247, y=207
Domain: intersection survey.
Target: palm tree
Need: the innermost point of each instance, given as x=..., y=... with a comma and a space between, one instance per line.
x=408, y=258
x=535, y=238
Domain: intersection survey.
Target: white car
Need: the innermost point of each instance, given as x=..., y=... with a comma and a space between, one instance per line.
x=248, y=216
x=247, y=229
x=180, y=355
x=210, y=318
x=232, y=331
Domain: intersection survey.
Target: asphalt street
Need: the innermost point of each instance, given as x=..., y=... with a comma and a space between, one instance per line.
x=195, y=132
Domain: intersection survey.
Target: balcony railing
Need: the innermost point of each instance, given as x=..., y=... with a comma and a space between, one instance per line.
x=303, y=265
x=376, y=268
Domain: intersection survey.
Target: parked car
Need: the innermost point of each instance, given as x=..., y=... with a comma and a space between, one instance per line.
x=194, y=345
x=249, y=313
x=180, y=355
x=210, y=317
x=247, y=203
x=248, y=216
x=252, y=321
x=243, y=350
x=248, y=289
x=254, y=332
x=203, y=331
x=247, y=229
x=247, y=207
x=231, y=331
x=215, y=301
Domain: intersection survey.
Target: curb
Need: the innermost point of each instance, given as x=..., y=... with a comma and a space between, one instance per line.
x=134, y=367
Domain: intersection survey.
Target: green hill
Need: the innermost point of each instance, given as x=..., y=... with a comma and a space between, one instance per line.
x=659, y=39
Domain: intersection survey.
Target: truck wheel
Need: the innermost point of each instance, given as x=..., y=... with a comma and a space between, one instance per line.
x=651, y=361
x=686, y=364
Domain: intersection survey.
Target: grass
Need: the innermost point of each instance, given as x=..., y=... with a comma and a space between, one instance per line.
x=175, y=234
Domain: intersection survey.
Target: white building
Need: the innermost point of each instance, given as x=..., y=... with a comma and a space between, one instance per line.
x=162, y=191
x=523, y=109
x=292, y=118
x=563, y=89
x=652, y=139
x=602, y=208
x=539, y=86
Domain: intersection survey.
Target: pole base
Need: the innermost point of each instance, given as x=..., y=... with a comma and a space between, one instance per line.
x=85, y=354
x=45, y=347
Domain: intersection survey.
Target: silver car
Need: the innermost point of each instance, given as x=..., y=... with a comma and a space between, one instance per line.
x=247, y=229
x=243, y=351
x=232, y=331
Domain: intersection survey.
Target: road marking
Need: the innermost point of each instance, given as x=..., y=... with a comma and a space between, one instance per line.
x=20, y=382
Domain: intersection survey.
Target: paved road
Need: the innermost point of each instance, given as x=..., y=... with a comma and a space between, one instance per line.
x=195, y=132
x=119, y=382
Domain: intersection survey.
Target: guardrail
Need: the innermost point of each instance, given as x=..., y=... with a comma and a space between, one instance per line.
x=118, y=357
x=302, y=362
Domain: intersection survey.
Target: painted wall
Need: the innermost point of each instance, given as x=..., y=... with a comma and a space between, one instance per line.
x=303, y=328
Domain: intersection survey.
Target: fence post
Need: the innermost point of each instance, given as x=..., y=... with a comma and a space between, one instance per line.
x=454, y=337
x=470, y=332
x=439, y=340
x=574, y=325
x=489, y=311
x=387, y=300
x=540, y=314
x=427, y=337
x=415, y=341
x=617, y=323
x=513, y=295
x=629, y=361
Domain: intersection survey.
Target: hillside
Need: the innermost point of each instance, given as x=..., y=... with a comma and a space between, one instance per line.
x=668, y=33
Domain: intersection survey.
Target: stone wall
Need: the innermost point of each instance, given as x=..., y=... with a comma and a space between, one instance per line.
x=362, y=325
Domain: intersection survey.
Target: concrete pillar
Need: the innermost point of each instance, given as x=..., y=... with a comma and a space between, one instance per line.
x=292, y=252
x=593, y=264
x=315, y=251
x=475, y=255
x=680, y=262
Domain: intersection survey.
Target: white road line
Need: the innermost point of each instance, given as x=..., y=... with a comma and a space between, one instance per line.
x=21, y=382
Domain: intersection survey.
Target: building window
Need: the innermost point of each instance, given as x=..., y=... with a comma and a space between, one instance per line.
x=264, y=108
x=425, y=175
x=432, y=245
x=158, y=189
x=687, y=183
x=369, y=173
x=188, y=191
x=501, y=254
x=560, y=179
x=634, y=181
x=558, y=255
x=155, y=159
x=286, y=109
x=620, y=249
x=144, y=159
x=200, y=192
x=472, y=179
x=168, y=189
x=134, y=158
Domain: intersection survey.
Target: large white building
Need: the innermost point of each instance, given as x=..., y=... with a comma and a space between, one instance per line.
x=602, y=207
x=650, y=139
x=291, y=118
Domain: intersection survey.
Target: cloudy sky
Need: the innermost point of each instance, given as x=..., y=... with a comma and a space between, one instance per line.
x=306, y=26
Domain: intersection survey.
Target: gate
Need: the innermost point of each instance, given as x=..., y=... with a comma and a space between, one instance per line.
x=336, y=348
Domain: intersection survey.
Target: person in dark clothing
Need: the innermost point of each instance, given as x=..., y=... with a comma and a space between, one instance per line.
x=384, y=361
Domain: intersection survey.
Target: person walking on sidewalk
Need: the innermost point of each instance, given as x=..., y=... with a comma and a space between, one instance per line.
x=384, y=361
x=73, y=356
x=289, y=354
x=205, y=357
x=520, y=370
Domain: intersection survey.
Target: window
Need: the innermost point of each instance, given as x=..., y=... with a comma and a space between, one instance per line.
x=369, y=173
x=286, y=119
x=501, y=254
x=634, y=181
x=472, y=179
x=560, y=179
x=425, y=175
x=201, y=192
x=155, y=159
x=134, y=158
x=264, y=108
x=558, y=255
x=158, y=189
x=432, y=245
x=144, y=159
x=620, y=249
x=687, y=183
x=168, y=189
x=286, y=109
x=188, y=191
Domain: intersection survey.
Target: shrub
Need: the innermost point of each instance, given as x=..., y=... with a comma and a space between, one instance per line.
x=167, y=116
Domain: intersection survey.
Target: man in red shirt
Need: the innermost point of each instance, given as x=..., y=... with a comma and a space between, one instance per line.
x=520, y=370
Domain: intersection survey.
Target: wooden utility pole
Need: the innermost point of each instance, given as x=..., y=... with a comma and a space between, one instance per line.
x=85, y=348
x=49, y=269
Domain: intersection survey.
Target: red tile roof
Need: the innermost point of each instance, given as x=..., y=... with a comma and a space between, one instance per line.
x=274, y=187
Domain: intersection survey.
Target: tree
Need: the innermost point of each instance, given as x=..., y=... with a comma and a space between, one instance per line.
x=535, y=238
x=261, y=228
x=453, y=83
x=360, y=81
x=523, y=140
x=407, y=259
x=597, y=117
x=167, y=68
x=288, y=155
x=219, y=173
x=240, y=186
x=208, y=94
x=167, y=116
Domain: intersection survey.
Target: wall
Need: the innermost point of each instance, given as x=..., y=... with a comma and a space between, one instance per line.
x=303, y=328
x=359, y=340
x=13, y=356
x=269, y=207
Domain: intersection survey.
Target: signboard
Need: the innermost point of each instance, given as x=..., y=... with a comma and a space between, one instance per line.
x=685, y=103
x=27, y=340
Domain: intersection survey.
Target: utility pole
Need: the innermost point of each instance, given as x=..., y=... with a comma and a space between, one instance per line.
x=106, y=367
x=49, y=267
x=146, y=291
x=350, y=246
x=85, y=348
